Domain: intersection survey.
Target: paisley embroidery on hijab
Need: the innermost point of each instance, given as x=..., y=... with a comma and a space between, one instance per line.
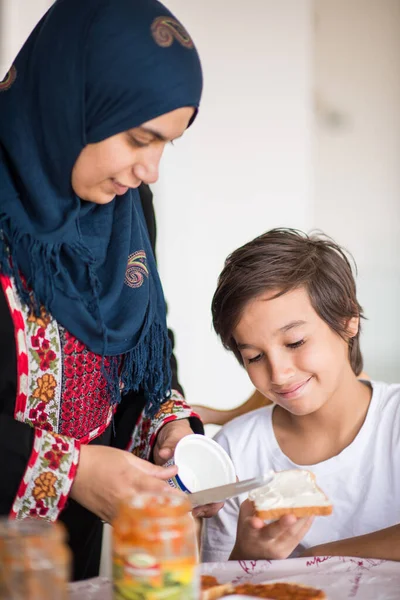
x=137, y=269
x=165, y=29
x=8, y=80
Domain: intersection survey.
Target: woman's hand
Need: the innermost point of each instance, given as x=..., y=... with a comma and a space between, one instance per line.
x=167, y=439
x=105, y=476
x=277, y=540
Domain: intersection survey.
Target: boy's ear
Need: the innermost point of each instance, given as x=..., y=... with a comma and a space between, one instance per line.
x=352, y=326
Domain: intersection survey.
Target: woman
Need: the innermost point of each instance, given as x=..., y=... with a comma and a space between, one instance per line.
x=95, y=94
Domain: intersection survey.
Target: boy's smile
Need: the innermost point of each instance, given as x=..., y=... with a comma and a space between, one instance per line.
x=294, y=391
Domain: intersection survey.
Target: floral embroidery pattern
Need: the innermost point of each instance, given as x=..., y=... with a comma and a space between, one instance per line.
x=21, y=347
x=86, y=410
x=136, y=270
x=165, y=29
x=167, y=408
x=48, y=478
x=38, y=363
x=41, y=351
x=45, y=367
x=61, y=387
x=44, y=486
x=145, y=433
x=42, y=321
x=45, y=388
x=8, y=80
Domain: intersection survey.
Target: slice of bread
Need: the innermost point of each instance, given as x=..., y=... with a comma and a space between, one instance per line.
x=207, y=581
x=219, y=591
x=280, y=591
x=291, y=492
x=212, y=590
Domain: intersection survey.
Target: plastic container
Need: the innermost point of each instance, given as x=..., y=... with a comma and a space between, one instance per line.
x=202, y=464
x=35, y=562
x=155, y=549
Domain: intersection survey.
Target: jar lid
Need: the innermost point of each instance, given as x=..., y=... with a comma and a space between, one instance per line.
x=31, y=528
x=202, y=463
x=148, y=506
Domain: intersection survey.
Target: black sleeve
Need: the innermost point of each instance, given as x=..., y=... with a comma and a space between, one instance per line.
x=146, y=197
x=16, y=439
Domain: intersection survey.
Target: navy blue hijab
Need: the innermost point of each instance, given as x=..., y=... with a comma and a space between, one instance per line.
x=90, y=69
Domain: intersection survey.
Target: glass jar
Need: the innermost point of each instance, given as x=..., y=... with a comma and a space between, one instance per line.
x=35, y=561
x=155, y=549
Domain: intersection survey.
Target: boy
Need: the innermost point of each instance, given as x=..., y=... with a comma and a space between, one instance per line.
x=286, y=305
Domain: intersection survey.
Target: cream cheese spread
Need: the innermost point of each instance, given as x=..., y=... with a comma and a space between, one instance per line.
x=289, y=489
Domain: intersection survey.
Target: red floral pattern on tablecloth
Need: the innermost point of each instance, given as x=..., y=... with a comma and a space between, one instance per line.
x=340, y=577
x=48, y=478
x=145, y=433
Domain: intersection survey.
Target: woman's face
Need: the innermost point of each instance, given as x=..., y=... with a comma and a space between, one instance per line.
x=112, y=166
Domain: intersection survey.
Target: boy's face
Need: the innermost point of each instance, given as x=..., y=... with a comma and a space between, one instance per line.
x=291, y=355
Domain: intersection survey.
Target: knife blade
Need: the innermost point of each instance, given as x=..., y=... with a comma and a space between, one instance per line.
x=224, y=492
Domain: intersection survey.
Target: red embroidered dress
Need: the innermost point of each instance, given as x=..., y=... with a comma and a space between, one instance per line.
x=62, y=394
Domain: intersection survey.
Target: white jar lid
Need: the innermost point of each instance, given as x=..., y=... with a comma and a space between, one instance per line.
x=202, y=463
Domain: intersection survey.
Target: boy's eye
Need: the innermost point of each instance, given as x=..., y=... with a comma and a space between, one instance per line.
x=254, y=359
x=295, y=345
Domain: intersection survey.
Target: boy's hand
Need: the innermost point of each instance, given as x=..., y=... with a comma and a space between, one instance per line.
x=277, y=540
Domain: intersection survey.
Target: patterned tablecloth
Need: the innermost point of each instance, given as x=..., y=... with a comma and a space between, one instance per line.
x=341, y=578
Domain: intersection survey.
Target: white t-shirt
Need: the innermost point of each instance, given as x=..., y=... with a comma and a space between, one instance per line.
x=362, y=482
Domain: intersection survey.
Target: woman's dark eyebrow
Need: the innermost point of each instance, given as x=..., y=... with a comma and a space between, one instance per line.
x=159, y=136
x=154, y=133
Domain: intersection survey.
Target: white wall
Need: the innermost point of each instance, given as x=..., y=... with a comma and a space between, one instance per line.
x=243, y=168
x=18, y=18
x=357, y=160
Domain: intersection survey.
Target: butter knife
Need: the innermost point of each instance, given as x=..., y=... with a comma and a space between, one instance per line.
x=223, y=492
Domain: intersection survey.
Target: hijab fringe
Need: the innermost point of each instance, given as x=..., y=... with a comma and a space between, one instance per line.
x=144, y=366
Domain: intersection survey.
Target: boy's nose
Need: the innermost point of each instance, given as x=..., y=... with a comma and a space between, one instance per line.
x=280, y=373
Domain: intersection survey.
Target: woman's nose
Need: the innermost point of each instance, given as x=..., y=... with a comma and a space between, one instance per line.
x=147, y=168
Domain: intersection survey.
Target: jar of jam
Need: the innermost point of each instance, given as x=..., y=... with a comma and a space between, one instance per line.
x=35, y=561
x=155, y=553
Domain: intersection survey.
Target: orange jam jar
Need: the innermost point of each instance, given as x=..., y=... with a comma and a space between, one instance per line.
x=35, y=561
x=155, y=550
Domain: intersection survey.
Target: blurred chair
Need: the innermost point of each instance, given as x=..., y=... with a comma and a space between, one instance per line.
x=219, y=417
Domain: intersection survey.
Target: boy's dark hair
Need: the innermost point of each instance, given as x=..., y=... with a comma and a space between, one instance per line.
x=283, y=260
